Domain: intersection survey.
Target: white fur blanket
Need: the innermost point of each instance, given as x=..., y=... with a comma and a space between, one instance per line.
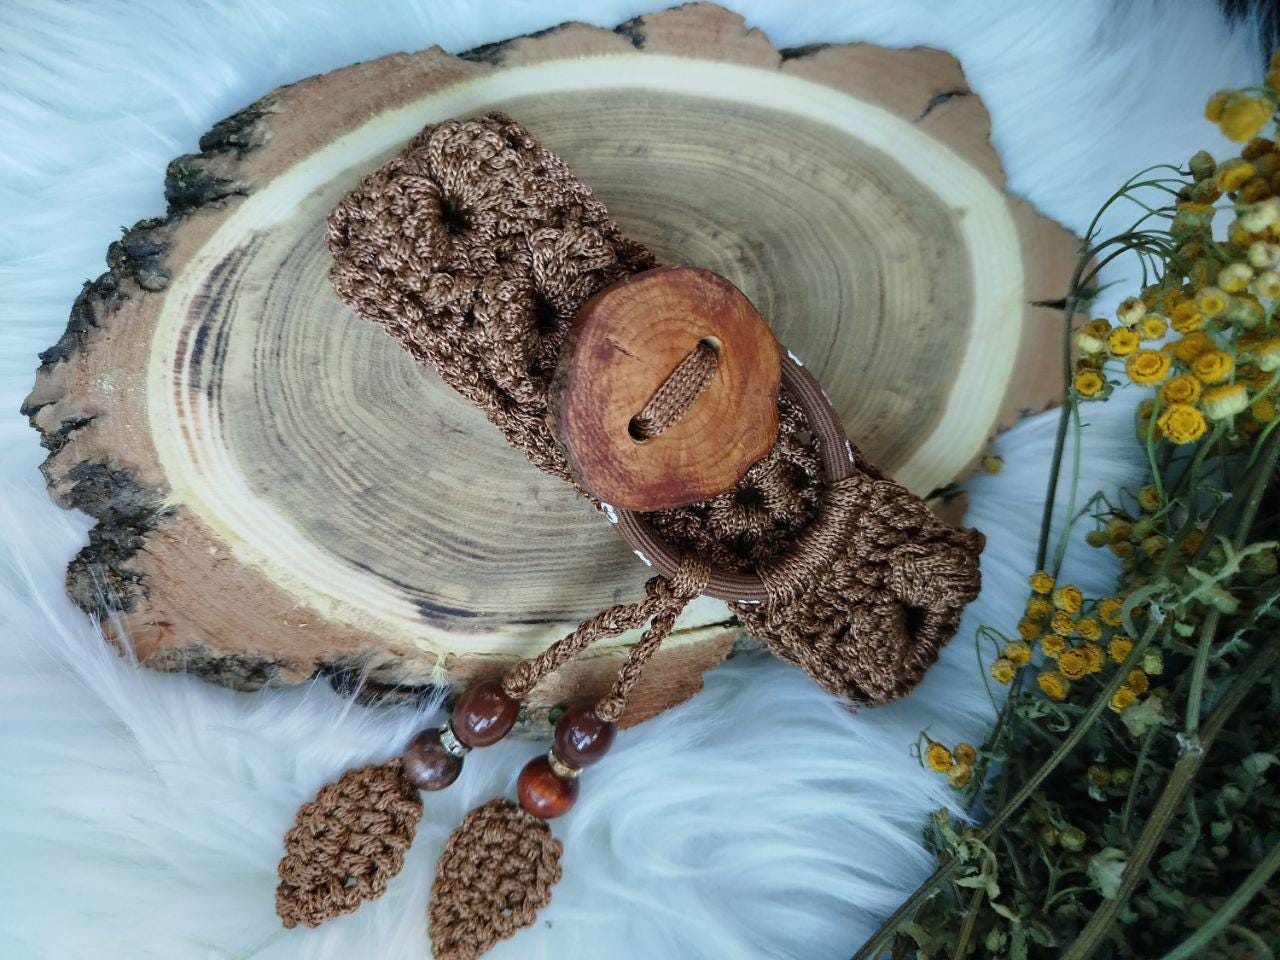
x=141, y=815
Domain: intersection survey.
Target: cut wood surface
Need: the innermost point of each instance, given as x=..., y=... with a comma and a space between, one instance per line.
x=281, y=491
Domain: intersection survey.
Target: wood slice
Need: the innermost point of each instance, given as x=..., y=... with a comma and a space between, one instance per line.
x=281, y=491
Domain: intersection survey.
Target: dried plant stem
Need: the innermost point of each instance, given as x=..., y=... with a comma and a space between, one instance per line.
x=1069, y=743
x=1170, y=800
x=1221, y=920
x=1256, y=486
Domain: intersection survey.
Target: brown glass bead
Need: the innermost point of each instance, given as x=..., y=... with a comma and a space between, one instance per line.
x=427, y=764
x=484, y=714
x=544, y=794
x=582, y=738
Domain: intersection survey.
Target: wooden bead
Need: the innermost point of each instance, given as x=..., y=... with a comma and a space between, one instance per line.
x=543, y=793
x=625, y=343
x=484, y=714
x=582, y=738
x=427, y=764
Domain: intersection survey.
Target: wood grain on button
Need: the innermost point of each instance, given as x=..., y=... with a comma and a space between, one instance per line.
x=628, y=341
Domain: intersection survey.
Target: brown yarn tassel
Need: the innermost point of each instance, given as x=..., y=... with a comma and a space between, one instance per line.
x=346, y=844
x=495, y=874
x=500, y=864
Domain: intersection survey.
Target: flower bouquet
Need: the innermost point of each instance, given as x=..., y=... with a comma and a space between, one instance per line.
x=1127, y=800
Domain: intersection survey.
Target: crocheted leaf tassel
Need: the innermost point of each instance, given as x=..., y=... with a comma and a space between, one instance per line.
x=495, y=874
x=347, y=843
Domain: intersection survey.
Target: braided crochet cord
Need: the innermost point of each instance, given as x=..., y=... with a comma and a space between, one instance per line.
x=475, y=248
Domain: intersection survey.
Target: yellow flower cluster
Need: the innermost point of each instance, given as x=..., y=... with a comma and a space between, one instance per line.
x=1064, y=607
x=956, y=763
x=1218, y=302
x=1135, y=685
x=1239, y=116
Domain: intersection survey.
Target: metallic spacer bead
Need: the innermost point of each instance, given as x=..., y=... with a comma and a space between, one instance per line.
x=451, y=743
x=560, y=768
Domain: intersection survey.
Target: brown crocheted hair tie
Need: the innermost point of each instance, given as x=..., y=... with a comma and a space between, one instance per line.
x=662, y=396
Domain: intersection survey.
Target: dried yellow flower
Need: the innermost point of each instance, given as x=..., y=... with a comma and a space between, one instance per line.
x=1147, y=366
x=1259, y=216
x=1088, y=384
x=1118, y=528
x=1258, y=147
x=1092, y=337
x=1185, y=317
x=1073, y=665
x=1109, y=611
x=1089, y=628
x=1192, y=541
x=1234, y=174
x=1130, y=311
x=1149, y=498
x=966, y=753
x=1266, y=285
x=1212, y=366
x=1053, y=684
x=960, y=775
x=1028, y=629
x=1182, y=423
x=1062, y=623
x=1003, y=671
x=1235, y=277
x=1211, y=301
x=1153, y=326
x=1068, y=597
x=1123, y=341
x=1264, y=255
x=1017, y=653
x=1244, y=117
x=1180, y=389
x=1053, y=645
x=1225, y=401
x=1154, y=545
x=1041, y=582
x=1246, y=311
x=1263, y=409
x=1119, y=649
x=1038, y=608
x=938, y=758
x=1093, y=656
x=1122, y=699
x=1191, y=346
x=1137, y=682
x=1216, y=107
x=1267, y=355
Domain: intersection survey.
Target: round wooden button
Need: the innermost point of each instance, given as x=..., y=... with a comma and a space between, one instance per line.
x=716, y=417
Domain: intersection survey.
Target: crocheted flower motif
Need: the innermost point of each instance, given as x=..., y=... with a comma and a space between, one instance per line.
x=346, y=844
x=495, y=874
x=475, y=247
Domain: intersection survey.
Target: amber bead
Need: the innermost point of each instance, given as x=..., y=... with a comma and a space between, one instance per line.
x=484, y=714
x=582, y=738
x=543, y=793
x=427, y=764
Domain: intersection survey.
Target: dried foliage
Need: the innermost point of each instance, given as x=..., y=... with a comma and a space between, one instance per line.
x=1128, y=792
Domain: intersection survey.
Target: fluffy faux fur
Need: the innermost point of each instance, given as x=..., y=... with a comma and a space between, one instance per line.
x=141, y=814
